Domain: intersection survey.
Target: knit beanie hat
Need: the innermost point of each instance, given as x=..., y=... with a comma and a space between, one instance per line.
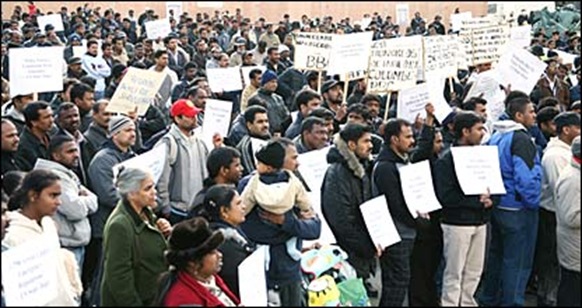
x=118, y=123
x=268, y=75
x=272, y=154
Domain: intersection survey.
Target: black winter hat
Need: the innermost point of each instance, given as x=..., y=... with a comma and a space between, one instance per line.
x=272, y=154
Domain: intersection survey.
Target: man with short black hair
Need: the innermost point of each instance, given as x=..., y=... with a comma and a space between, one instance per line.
x=545, y=121
x=313, y=135
x=257, y=123
x=306, y=101
x=68, y=121
x=83, y=97
x=10, y=141
x=332, y=93
x=255, y=76
x=35, y=138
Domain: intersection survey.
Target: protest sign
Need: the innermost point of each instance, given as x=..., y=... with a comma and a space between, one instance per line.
x=354, y=75
x=349, y=53
x=152, y=160
x=566, y=58
x=520, y=68
x=56, y=20
x=379, y=222
x=35, y=70
x=436, y=88
x=417, y=188
x=253, y=279
x=158, y=28
x=246, y=70
x=487, y=85
x=224, y=79
x=394, y=64
x=440, y=58
x=402, y=13
x=29, y=272
x=312, y=166
x=456, y=20
x=216, y=120
x=79, y=51
x=176, y=7
x=326, y=236
x=312, y=51
x=465, y=34
x=489, y=43
x=477, y=169
x=412, y=101
x=520, y=36
x=137, y=89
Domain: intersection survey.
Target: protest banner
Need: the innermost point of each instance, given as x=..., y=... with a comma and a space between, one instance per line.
x=137, y=89
x=216, y=120
x=246, y=70
x=35, y=70
x=29, y=272
x=312, y=51
x=440, y=58
x=412, y=101
x=394, y=64
x=56, y=20
x=176, y=7
x=486, y=85
x=402, y=13
x=152, y=160
x=379, y=222
x=477, y=169
x=224, y=79
x=465, y=34
x=253, y=279
x=417, y=188
x=158, y=28
x=520, y=68
x=520, y=36
x=349, y=53
x=457, y=19
x=489, y=43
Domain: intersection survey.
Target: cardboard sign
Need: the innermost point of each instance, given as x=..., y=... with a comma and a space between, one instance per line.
x=350, y=53
x=158, y=28
x=137, y=88
x=417, y=188
x=520, y=68
x=489, y=43
x=216, y=120
x=465, y=34
x=36, y=70
x=440, y=58
x=312, y=51
x=224, y=79
x=477, y=169
x=379, y=222
x=520, y=37
x=457, y=19
x=56, y=20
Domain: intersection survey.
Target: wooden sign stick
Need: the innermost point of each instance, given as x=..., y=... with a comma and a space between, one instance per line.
x=387, y=105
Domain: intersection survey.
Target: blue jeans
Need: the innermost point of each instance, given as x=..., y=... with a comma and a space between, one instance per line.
x=79, y=253
x=513, y=239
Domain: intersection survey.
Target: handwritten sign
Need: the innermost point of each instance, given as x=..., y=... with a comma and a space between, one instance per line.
x=216, y=120
x=379, y=222
x=521, y=69
x=137, y=89
x=417, y=188
x=158, y=28
x=246, y=70
x=520, y=37
x=489, y=43
x=153, y=160
x=477, y=169
x=440, y=56
x=35, y=70
x=29, y=272
x=224, y=79
x=312, y=166
x=56, y=20
x=394, y=64
x=350, y=53
x=466, y=37
x=253, y=269
x=175, y=6
x=456, y=20
x=487, y=85
x=312, y=50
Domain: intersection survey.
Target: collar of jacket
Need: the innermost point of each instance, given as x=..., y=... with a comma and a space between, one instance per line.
x=351, y=159
x=139, y=224
x=98, y=129
x=387, y=154
x=111, y=145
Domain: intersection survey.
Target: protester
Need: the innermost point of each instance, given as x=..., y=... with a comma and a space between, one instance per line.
x=10, y=141
x=35, y=137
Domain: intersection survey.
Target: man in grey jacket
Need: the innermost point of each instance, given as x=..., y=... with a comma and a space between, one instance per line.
x=279, y=117
x=77, y=202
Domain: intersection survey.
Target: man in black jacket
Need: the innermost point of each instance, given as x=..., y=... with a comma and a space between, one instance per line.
x=464, y=219
x=345, y=187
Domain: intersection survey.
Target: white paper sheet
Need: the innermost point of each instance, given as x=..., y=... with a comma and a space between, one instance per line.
x=379, y=222
x=477, y=168
x=418, y=189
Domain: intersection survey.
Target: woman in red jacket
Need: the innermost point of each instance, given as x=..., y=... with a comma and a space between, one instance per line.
x=195, y=261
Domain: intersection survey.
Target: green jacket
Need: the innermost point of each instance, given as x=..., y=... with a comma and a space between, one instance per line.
x=134, y=258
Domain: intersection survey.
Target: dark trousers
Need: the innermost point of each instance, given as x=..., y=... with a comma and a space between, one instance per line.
x=291, y=294
x=91, y=266
x=569, y=289
x=546, y=259
x=395, y=264
x=424, y=263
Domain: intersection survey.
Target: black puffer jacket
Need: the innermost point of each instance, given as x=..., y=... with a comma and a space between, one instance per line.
x=345, y=187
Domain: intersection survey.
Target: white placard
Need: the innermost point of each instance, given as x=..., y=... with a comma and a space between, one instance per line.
x=477, y=169
x=312, y=166
x=436, y=91
x=326, y=236
x=216, y=120
x=29, y=272
x=152, y=160
x=312, y=50
x=412, y=102
x=402, y=13
x=489, y=43
x=567, y=58
x=350, y=52
x=246, y=70
x=394, y=64
x=520, y=36
x=175, y=6
x=79, y=51
x=465, y=34
x=520, y=68
x=379, y=222
x=456, y=20
x=137, y=89
x=158, y=28
x=440, y=58
x=56, y=20
x=252, y=278
x=36, y=70
x=418, y=189
x=224, y=79
x=487, y=85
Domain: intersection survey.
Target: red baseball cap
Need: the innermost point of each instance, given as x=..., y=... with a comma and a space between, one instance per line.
x=184, y=107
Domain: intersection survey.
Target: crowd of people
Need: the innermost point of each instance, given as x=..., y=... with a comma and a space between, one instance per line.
x=128, y=238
